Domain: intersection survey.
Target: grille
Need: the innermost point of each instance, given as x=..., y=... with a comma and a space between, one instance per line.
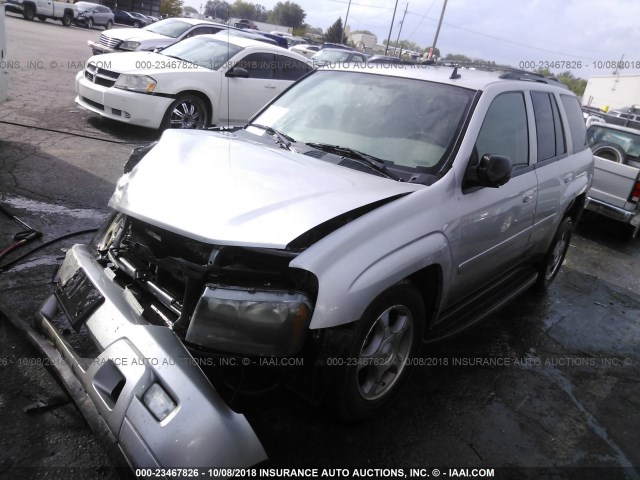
x=93, y=104
x=100, y=76
x=109, y=42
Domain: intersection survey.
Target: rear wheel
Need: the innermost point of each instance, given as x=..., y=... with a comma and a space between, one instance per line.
x=550, y=265
x=66, y=20
x=187, y=111
x=28, y=13
x=389, y=333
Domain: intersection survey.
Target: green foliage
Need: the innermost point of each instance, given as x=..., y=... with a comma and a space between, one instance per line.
x=334, y=32
x=217, y=9
x=171, y=8
x=288, y=14
x=457, y=57
x=575, y=84
x=248, y=11
x=189, y=9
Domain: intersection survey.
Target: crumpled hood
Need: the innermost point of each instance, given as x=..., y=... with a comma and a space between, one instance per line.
x=218, y=189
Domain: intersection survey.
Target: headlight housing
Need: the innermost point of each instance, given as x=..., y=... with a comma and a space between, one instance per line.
x=250, y=322
x=129, y=45
x=136, y=83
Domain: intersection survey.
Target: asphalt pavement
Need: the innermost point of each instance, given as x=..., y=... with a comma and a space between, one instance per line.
x=548, y=386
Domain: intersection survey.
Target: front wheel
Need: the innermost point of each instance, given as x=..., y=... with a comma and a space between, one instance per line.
x=136, y=25
x=378, y=364
x=550, y=265
x=42, y=18
x=89, y=23
x=108, y=25
x=188, y=111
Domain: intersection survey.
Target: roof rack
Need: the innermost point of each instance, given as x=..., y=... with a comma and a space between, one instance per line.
x=509, y=73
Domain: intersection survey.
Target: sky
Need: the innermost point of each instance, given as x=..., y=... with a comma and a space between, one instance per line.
x=589, y=35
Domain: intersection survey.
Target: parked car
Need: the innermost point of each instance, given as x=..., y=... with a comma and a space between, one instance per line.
x=246, y=34
x=201, y=81
x=128, y=18
x=335, y=56
x=90, y=14
x=158, y=35
x=306, y=49
x=43, y=10
x=143, y=18
x=615, y=192
x=362, y=212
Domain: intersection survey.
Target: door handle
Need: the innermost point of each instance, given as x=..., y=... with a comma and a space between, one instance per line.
x=528, y=196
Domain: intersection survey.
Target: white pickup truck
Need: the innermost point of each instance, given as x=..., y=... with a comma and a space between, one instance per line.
x=43, y=9
x=615, y=192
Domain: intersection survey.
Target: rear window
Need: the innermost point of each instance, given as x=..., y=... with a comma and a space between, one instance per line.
x=577, y=127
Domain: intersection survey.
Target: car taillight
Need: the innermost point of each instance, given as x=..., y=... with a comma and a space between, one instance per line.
x=635, y=193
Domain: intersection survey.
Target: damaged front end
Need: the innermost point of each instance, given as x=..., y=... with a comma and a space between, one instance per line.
x=152, y=302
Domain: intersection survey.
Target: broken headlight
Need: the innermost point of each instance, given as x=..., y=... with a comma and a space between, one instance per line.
x=249, y=321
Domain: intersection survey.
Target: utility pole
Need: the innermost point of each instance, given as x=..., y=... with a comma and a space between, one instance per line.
x=391, y=27
x=346, y=19
x=400, y=31
x=435, y=40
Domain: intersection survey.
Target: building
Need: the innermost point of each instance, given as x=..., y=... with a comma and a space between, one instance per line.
x=612, y=91
x=3, y=61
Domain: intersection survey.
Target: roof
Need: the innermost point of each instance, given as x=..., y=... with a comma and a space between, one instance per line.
x=194, y=21
x=474, y=79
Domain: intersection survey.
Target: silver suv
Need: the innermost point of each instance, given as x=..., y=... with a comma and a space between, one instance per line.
x=365, y=211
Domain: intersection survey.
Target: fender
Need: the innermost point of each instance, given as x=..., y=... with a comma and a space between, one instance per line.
x=359, y=261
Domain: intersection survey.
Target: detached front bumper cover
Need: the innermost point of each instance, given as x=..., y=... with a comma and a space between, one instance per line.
x=148, y=395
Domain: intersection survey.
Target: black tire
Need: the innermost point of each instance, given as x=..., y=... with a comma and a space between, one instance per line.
x=42, y=18
x=609, y=151
x=28, y=13
x=89, y=23
x=389, y=332
x=187, y=111
x=136, y=24
x=108, y=25
x=549, y=267
x=633, y=231
x=66, y=20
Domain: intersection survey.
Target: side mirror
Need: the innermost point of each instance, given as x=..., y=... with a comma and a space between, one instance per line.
x=489, y=171
x=238, y=72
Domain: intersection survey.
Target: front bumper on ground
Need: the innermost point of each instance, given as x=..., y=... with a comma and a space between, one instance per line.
x=202, y=431
x=121, y=105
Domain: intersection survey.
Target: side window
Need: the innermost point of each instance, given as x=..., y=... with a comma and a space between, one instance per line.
x=288, y=68
x=504, y=130
x=577, y=126
x=549, y=132
x=259, y=65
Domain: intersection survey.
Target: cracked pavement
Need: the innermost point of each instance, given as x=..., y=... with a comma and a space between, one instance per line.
x=548, y=382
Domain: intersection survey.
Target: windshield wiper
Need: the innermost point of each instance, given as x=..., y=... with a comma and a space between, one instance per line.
x=282, y=139
x=370, y=161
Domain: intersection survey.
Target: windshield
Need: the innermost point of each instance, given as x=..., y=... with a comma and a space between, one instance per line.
x=204, y=52
x=332, y=55
x=170, y=27
x=410, y=123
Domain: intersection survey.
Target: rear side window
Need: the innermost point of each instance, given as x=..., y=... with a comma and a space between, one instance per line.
x=577, y=126
x=288, y=68
x=549, y=130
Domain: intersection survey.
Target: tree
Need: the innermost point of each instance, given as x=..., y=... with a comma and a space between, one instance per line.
x=217, y=9
x=288, y=14
x=171, y=8
x=457, y=57
x=366, y=32
x=334, y=32
x=248, y=11
x=575, y=84
x=189, y=9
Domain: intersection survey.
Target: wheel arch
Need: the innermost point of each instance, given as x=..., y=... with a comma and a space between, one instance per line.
x=202, y=96
x=429, y=282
